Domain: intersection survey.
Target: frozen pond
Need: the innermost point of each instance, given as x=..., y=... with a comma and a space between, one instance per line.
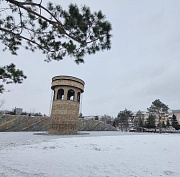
x=22, y=138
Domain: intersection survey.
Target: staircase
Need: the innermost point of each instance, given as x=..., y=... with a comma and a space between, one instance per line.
x=14, y=123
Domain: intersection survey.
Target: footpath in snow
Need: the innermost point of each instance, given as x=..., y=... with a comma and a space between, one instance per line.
x=93, y=154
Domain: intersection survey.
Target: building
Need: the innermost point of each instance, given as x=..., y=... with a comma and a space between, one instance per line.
x=66, y=103
x=17, y=111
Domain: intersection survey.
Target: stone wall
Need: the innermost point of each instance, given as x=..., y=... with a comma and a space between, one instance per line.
x=22, y=123
x=64, y=117
x=94, y=125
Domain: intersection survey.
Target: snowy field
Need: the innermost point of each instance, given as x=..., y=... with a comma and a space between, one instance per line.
x=95, y=154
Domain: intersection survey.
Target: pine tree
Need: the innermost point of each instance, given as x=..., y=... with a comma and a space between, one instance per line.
x=163, y=125
x=167, y=123
x=58, y=33
x=9, y=74
x=175, y=123
x=123, y=118
x=151, y=121
x=139, y=120
x=158, y=108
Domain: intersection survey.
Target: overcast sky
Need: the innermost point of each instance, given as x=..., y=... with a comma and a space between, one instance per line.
x=143, y=64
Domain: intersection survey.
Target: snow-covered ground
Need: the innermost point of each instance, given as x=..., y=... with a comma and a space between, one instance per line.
x=95, y=154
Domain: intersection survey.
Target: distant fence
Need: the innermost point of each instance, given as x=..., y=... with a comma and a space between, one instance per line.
x=163, y=131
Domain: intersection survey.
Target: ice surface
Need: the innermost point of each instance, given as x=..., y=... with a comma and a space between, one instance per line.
x=93, y=154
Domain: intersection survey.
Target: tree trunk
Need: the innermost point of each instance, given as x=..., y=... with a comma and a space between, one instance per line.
x=126, y=126
x=160, y=125
x=121, y=127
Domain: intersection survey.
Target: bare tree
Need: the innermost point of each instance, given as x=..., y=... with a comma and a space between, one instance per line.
x=1, y=103
x=107, y=119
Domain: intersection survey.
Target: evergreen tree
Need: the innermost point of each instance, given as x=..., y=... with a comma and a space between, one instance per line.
x=123, y=118
x=151, y=121
x=75, y=32
x=139, y=120
x=158, y=108
x=163, y=125
x=174, y=121
x=167, y=123
x=9, y=74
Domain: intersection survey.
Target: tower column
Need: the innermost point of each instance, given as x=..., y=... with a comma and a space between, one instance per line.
x=65, y=93
x=65, y=112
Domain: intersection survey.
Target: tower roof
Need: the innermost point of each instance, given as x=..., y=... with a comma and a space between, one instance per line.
x=67, y=81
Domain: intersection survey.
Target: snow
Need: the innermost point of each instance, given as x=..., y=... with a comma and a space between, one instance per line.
x=89, y=154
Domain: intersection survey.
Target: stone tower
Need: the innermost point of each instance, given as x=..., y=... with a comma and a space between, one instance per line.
x=65, y=106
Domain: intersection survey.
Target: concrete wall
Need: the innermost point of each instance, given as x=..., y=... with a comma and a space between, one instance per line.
x=9, y=123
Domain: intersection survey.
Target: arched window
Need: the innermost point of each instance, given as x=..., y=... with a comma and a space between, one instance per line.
x=70, y=95
x=60, y=94
x=78, y=97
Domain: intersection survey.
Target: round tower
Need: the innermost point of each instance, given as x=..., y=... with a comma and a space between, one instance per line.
x=65, y=106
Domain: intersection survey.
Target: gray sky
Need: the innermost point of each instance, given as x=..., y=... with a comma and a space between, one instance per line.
x=143, y=64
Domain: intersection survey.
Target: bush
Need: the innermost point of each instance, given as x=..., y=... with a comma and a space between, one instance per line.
x=177, y=127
